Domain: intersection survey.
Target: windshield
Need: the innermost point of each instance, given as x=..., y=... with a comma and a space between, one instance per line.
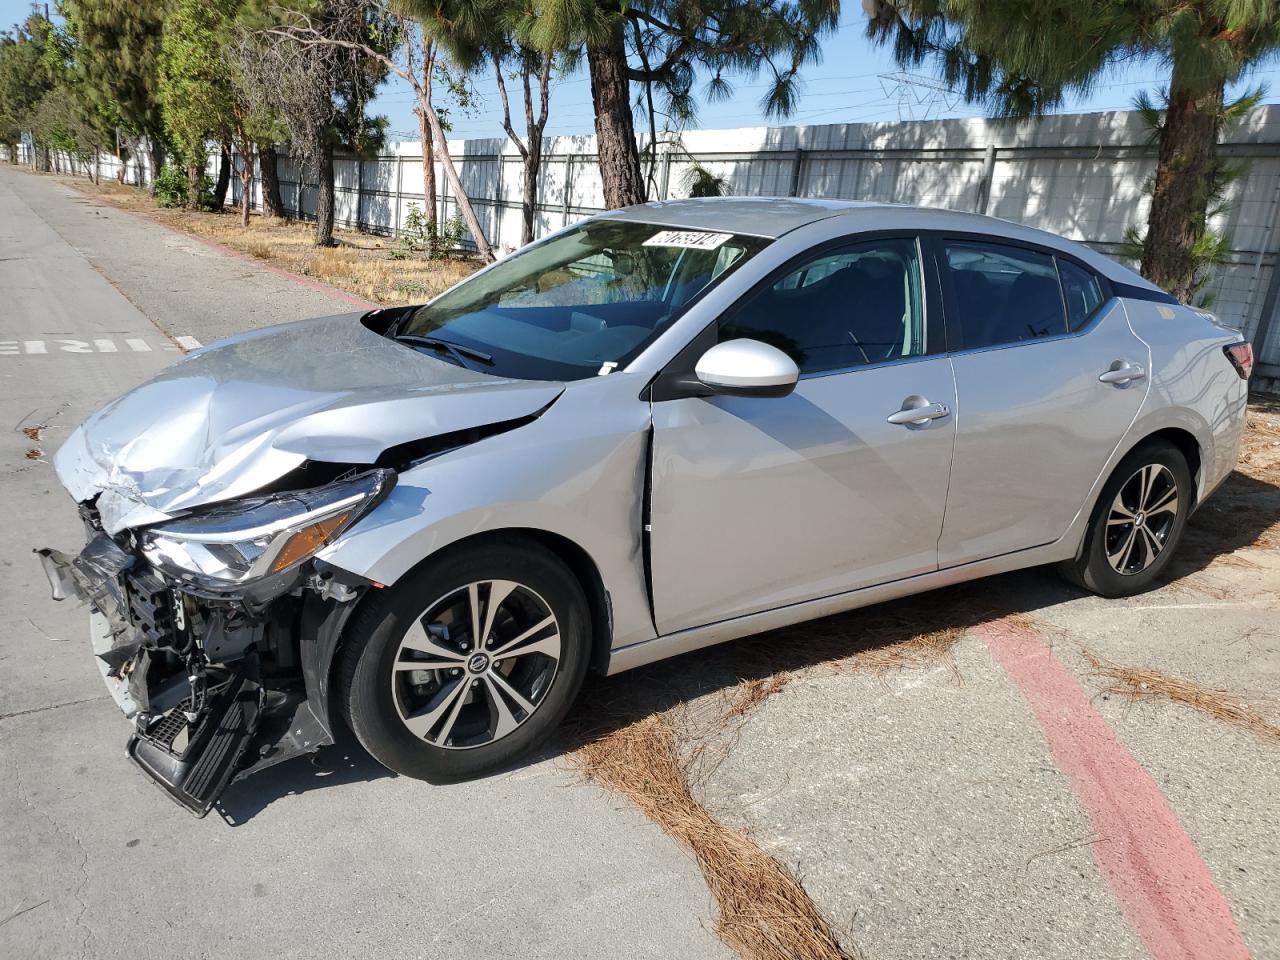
x=579, y=303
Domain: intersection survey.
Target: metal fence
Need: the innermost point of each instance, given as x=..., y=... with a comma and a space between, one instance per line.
x=1077, y=175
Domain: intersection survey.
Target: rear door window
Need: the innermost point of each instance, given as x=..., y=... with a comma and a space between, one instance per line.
x=1082, y=292
x=1001, y=294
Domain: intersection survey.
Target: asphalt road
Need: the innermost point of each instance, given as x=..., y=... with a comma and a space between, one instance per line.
x=336, y=859
x=1000, y=805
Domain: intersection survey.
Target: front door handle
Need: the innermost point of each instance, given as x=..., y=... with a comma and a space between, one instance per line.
x=913, y=416
x=1122, y=372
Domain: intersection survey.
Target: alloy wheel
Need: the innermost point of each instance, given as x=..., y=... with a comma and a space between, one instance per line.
x=476, y=664
x=1141, y=518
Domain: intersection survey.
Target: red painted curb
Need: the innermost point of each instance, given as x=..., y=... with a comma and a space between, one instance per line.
x=1163, y=886
x=231, y=252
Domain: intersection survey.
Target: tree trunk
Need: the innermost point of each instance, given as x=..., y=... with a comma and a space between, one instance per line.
x=224, y=177
x=529, y=208
x=272, y=202
x=246, y=184
x=324, y=198
x=195, y=175
x=1185, y=172
x=428, y=170
x=455, y=183
x=157, y=161
x=616, y=148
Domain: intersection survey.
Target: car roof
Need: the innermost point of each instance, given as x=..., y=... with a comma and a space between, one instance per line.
x=753, y=216
x=772, y=217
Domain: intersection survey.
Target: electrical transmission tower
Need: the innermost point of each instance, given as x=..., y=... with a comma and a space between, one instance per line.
x=918, y=97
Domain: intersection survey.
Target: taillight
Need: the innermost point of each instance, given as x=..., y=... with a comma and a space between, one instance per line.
x=1241, y=357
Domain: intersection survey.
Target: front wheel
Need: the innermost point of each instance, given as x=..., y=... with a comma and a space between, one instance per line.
x=468, y=663
x=1137, y=523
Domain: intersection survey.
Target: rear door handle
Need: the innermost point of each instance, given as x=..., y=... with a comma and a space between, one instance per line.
x=914, y=416
x=1122, y=372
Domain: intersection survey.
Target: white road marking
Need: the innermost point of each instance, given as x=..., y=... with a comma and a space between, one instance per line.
x=56, y=346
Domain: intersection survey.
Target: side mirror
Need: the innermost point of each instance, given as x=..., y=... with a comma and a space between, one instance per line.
x=747, y=368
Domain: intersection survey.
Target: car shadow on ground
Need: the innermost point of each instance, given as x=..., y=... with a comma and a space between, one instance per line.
x=339, y=764
x=1244, y=511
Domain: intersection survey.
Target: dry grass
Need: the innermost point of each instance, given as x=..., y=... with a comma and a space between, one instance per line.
x=754, y=692
x=358, y=265
x=763, y=912
x=1242, y=516
x=931, y=648
x=1136, y=683
x=1260, y=450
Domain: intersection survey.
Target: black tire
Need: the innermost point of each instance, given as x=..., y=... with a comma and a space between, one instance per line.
x=372, y=699
x=1093, y=570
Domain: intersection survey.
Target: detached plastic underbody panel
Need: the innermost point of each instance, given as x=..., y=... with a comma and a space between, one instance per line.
x=208, y=706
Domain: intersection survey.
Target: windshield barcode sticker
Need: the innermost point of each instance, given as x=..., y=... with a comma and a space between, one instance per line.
x=694, y=239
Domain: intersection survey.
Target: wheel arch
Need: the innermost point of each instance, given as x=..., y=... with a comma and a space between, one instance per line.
x=1188, y=446
x=1181, y=436
x=573, y=555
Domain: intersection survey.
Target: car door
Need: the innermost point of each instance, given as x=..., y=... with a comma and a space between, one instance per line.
x=757, y=503
x=1031, y=333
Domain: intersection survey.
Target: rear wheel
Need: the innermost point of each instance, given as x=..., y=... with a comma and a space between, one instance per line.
x=1137, y=523
x=467, y=664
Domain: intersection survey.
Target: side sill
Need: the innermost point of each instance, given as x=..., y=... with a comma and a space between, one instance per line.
x=695, y=638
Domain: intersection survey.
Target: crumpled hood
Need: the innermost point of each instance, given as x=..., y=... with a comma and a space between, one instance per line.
x=230, y=418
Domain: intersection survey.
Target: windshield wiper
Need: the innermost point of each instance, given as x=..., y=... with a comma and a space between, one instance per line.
x=455, y=350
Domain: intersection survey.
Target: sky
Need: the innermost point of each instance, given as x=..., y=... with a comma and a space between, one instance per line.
x=847, y=86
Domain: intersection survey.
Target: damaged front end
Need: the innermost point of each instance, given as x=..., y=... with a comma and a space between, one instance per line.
x=214, y=631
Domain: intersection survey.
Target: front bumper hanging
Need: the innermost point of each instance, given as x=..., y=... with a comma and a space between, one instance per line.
x=188, y=672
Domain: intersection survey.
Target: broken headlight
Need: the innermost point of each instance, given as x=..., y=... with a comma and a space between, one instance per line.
x=248, y=540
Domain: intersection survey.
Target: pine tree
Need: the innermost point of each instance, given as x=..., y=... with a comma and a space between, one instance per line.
x=118, y=60
x=1024, y=57
x=663, y=44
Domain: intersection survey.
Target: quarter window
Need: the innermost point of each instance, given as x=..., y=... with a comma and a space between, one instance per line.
x=1001, y=294
x=858, y=305
x=1082, y=292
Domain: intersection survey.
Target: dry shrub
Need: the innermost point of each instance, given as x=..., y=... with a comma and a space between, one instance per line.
x=259, y=248
x=763, y=912
x=1136, y=683
x=34, y=434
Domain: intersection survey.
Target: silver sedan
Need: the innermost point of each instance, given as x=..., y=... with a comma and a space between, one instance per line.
x=659, y=429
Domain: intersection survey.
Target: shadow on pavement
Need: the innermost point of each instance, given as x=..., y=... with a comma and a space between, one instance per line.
x=342, y=763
